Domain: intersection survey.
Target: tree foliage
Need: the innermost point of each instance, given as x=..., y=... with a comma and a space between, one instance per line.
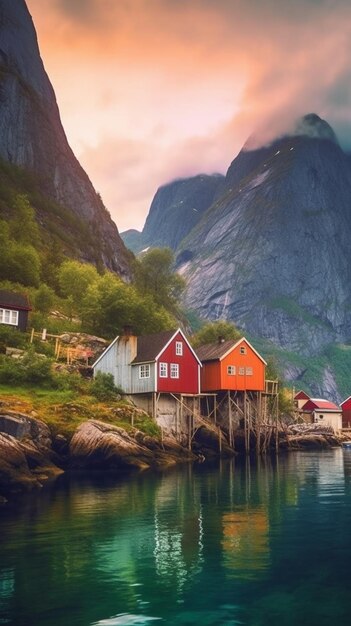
x=154, y=275
x=211, y=331
x=74, y=279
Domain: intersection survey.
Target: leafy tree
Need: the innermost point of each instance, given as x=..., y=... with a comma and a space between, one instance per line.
x=211, y=331
x=154, y=275
x=23, y=227
x=19, y=262
x=44, y=299
x=74, y=279
x=110, y=304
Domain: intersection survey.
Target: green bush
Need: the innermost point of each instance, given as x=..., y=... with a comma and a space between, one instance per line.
x=11, y=337
x=103, y=387
x=32, y=368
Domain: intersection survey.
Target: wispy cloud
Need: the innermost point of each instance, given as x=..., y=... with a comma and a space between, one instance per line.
x=150, y=90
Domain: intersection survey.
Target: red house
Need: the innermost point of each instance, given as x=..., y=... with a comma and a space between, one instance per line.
x=231, y=365
x=160, y=372
x=159, y=363
x=300, y=399
x=346, y=413
x=323, y=412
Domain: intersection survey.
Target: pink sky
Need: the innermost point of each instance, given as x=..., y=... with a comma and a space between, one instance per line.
x=153, y=90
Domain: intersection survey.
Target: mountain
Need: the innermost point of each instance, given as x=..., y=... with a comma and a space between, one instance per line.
x=272, y=252
x=175, y=210
x=32, y=139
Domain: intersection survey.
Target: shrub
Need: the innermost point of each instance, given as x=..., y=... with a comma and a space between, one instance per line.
x=32, y=368
x=103, y=387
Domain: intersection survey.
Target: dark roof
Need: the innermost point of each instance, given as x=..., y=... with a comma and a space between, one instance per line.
x=14, y=300
x=214, y=351
x=149, y=346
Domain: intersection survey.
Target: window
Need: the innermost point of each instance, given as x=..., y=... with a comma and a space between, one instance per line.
x=231, y=371
x=163, y=370
x=174, y=370
x=241, y=371
x=144, y=371
x=179, y=348
x=8, y=317
x=249, y=371
x=242, y=350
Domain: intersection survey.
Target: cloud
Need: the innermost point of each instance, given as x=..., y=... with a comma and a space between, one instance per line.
x=150, y=90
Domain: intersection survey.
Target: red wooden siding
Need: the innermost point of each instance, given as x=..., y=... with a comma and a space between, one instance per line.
x=188, y=381
x=214, y=376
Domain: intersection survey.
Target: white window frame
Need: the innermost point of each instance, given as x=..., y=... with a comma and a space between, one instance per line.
x=163, y=370
x=11, y=315
x=241, y=371
x=174, y=370
x=231, y=370
x=249, y=371
x=242, y=350
x=144, y=370
x=179, y=348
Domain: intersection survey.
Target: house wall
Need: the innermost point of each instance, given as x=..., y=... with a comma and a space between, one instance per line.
x=215, y=376
x=328, y=419
x=116, y=361
x=142, y=385
x=169, y=416
x=188, y=381
x=346, y=418
x=243, y=382
x=211, y=376
x=22, y=319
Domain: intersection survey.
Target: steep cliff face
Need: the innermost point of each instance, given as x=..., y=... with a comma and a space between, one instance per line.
x=175, y=210
x=32, y=136
x=272, y=253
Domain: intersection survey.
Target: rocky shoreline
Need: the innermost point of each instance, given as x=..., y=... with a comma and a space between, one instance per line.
x=30, y=455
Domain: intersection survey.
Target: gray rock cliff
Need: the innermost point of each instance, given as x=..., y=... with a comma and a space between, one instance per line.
x=176, y=208
x=32, y=136
x=272, y=253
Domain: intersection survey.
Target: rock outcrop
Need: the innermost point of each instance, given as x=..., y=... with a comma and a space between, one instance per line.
x=27, y=459
x=32, y=136
x=97, y=445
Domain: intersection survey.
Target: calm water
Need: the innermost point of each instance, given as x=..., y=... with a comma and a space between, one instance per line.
x=238, y=543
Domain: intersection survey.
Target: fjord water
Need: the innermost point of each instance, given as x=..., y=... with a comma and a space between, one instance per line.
x=254, y=543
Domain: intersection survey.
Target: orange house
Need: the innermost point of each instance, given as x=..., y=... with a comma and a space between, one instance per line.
x=231, y=365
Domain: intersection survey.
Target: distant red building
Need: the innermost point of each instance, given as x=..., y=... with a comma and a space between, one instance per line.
x=346, y=413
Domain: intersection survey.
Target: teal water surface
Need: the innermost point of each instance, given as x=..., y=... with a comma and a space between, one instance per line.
x=254, y=543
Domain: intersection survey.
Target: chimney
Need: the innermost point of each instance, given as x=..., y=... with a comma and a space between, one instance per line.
x=220, y=339
x=127, y=330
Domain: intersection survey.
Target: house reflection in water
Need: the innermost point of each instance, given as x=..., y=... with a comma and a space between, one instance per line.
x=245, y=542
x=178, y=540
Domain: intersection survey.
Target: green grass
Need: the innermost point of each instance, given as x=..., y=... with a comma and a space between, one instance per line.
x=64, y=410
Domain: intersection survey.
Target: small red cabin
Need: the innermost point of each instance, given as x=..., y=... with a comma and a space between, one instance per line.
x=346, y=413
x=232, y=366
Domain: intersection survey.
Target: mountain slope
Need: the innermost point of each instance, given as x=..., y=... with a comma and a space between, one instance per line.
x=272, y=253
x=175, y=210
x=32, y=137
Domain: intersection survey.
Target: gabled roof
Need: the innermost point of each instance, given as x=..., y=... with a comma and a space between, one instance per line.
x=219, y=350
x=301, y=395
x=150, y=347
x=319, y=403
x=14, y=300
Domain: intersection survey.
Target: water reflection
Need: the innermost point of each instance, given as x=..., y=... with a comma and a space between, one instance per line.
x=207, y=545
